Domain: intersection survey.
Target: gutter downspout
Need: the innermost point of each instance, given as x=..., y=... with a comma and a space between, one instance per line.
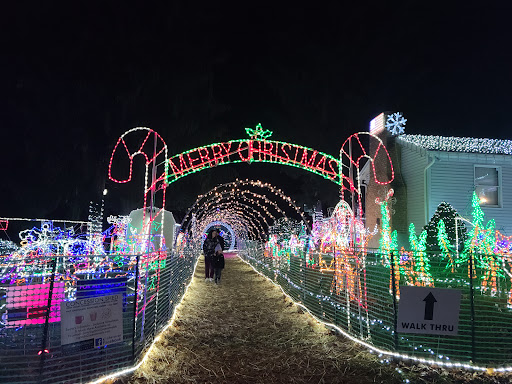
x=425, y=188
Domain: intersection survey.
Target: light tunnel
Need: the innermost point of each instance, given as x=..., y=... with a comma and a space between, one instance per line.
x=242, y=210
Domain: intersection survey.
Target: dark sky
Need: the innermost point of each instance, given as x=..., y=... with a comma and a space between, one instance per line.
x=74, y=78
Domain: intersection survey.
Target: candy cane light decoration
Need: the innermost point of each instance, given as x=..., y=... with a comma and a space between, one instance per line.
x=150, y=145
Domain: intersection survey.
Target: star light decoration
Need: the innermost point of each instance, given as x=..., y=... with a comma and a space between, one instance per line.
x=395, y=123
x=258, y=133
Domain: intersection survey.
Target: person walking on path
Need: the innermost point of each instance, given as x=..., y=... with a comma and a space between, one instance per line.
x=209, y=245
x=218, y=262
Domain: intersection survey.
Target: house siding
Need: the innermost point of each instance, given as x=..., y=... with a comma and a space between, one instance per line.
x=414, y=161
x=452, y=180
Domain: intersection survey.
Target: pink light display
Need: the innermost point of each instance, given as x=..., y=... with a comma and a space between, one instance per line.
x=27, y=304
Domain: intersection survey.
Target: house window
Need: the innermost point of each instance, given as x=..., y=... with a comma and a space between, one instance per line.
x=488, y=185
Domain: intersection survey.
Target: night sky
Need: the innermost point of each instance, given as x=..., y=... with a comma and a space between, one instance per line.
x=73, y=78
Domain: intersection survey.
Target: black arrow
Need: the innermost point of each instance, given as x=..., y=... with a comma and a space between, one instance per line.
x=429, y=306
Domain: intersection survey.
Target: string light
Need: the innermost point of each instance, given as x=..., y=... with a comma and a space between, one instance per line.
x=248, y=202
x=415, y=359
x=151, y=154
x=253, y=150
x=253, y=214
x=155, y=340
x=346, y=153
x=459, y=144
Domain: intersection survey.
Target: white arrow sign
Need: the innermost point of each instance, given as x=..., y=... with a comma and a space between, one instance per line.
x=427, y=310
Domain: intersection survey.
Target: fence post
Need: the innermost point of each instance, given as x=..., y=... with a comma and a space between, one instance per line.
x=135, y=302
x=304, y=253
x=472, y=306
x=395, y=306
x=47, y=321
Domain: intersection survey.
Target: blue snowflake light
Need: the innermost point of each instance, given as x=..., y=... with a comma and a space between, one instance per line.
x=395, y=123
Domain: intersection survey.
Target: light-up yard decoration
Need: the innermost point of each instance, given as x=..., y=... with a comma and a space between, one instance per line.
x=487, y=247
x=28, y=304
x=50, y=240
x=149, y=144
x=489, y=250
x=351, y=154
x=504, y=250
x=258, y=148
x=350, y=239
x=287, y=238
x=248, y=208
x=117, y=234
x=341, y=239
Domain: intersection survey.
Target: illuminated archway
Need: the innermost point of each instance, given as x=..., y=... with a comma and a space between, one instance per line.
x=250, y=208
x=229, y=235
x=257, y=148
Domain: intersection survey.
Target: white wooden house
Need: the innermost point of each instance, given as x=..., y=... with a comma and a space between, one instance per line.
x=431, y=169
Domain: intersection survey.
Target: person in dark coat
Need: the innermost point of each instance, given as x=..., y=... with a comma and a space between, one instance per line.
x=209, y=245
x=218, y=262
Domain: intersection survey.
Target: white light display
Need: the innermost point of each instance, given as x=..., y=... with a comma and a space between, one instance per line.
x=250, y=213
x=459, y=144
x=395, y=123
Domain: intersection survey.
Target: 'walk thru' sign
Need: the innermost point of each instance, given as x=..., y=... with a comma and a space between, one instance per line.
x=427, y=310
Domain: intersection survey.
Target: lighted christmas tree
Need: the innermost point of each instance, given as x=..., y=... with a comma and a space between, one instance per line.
x=422, y=262
x=480, y=246
x=482, y=238
x=447, y=214
x=388, y=239
x=444, y=246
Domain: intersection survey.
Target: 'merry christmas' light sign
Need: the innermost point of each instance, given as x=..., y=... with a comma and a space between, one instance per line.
x=254, y=150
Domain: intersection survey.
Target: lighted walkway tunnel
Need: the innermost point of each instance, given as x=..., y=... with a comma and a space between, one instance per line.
x=243, y=210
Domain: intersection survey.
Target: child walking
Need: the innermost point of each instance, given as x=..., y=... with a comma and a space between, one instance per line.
x=218, y=263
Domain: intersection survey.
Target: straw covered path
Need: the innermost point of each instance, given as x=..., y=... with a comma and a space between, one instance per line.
x=246, y=331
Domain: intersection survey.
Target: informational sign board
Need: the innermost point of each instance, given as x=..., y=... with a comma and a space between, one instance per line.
x=433, y=311
x=92, y=322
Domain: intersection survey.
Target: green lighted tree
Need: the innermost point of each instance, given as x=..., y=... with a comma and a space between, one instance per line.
x=482, y=237
x=443, y=242
x=479, y=248
x=447, y=214
x=422, y=262
x=388, y=239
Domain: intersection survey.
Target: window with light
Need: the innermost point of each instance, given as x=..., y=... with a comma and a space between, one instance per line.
x=487, y=185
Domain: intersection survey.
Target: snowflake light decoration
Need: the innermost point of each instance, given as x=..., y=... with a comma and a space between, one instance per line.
x=396, y=123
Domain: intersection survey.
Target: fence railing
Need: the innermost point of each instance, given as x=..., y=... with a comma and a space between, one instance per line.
x=360, y=294
x=74, y=319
